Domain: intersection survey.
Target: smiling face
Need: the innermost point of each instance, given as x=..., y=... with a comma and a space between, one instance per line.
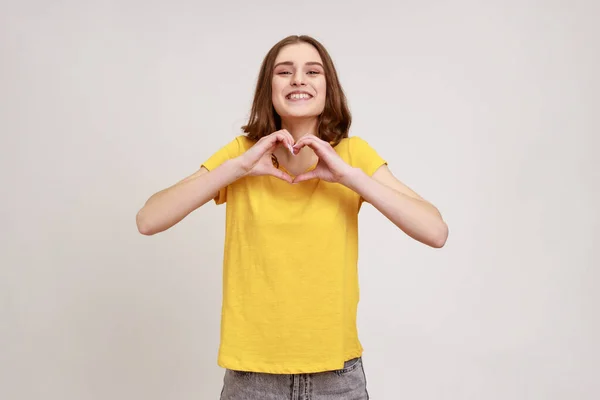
x=298, y=82
x=302, y=64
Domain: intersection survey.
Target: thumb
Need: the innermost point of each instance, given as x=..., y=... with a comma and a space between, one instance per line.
x=305, y=176
x=277, y=173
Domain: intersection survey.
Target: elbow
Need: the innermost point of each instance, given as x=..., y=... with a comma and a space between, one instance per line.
x=143, y=225
x=440, y=237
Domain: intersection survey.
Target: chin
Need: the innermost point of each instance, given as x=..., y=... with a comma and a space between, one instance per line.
x=289, y=112
x=303, y=115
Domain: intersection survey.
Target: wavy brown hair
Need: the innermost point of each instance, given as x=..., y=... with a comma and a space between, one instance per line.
x=334, y=121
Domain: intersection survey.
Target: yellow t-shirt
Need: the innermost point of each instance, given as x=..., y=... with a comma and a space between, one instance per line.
x=290, y=279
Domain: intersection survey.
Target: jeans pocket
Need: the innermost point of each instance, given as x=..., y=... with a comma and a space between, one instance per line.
x=349, y=366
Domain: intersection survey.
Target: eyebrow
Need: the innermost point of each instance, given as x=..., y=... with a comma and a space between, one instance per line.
x=291, y=64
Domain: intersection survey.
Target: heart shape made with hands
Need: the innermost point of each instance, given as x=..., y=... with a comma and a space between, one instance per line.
x=329, y=165
x=293, y=151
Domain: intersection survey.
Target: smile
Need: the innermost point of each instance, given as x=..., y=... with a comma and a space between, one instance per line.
x=298, y=96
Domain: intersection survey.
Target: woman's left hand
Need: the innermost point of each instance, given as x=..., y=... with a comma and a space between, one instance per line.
x=330, y=168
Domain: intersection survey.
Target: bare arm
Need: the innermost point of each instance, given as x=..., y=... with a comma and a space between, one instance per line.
x=169, y=206
x=406, y=209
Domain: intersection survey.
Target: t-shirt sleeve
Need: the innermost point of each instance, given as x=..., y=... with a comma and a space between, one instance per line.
x=231, y=150
x=363, y=156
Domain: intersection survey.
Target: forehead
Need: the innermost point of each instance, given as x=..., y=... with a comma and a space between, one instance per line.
x=299, y=53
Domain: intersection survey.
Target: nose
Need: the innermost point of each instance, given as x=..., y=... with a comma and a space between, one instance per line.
x=298, y=79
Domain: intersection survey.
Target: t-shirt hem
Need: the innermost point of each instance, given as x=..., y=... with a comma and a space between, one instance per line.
x=229, y=363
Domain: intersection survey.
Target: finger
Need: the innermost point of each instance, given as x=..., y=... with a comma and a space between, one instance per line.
x=318, y=145
x=283, y=136
x=289, y=136
x=295, y=147
x=273, y=140
x=290, y=141
x=305, y=176
x=303, y=136
x=268, y=148
x=277, y=136
x=277, y=173
x=308, y=138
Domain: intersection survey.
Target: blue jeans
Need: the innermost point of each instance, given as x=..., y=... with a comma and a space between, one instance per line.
x=348, y=383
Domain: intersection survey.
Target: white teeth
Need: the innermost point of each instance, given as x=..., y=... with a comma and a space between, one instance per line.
x=299, y=96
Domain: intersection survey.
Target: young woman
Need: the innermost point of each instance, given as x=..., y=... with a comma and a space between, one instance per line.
x=294, y=184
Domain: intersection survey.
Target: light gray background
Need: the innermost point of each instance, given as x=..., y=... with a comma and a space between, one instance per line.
x=486, y=108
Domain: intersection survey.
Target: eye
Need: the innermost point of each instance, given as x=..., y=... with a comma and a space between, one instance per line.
x=313, y=72
x=283, y=73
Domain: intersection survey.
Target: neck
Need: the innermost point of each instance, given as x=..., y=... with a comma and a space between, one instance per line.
x=299, y=127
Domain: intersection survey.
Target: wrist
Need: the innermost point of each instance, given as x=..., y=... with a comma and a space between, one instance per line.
x=239, y=168
x=351, y=176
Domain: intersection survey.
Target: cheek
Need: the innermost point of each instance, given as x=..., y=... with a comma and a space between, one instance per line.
x=276, y=90
x=321, y=86
x=323, y=91
x=276, y=97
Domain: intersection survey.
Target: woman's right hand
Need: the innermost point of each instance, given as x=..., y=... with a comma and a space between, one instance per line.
x=258, y=159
